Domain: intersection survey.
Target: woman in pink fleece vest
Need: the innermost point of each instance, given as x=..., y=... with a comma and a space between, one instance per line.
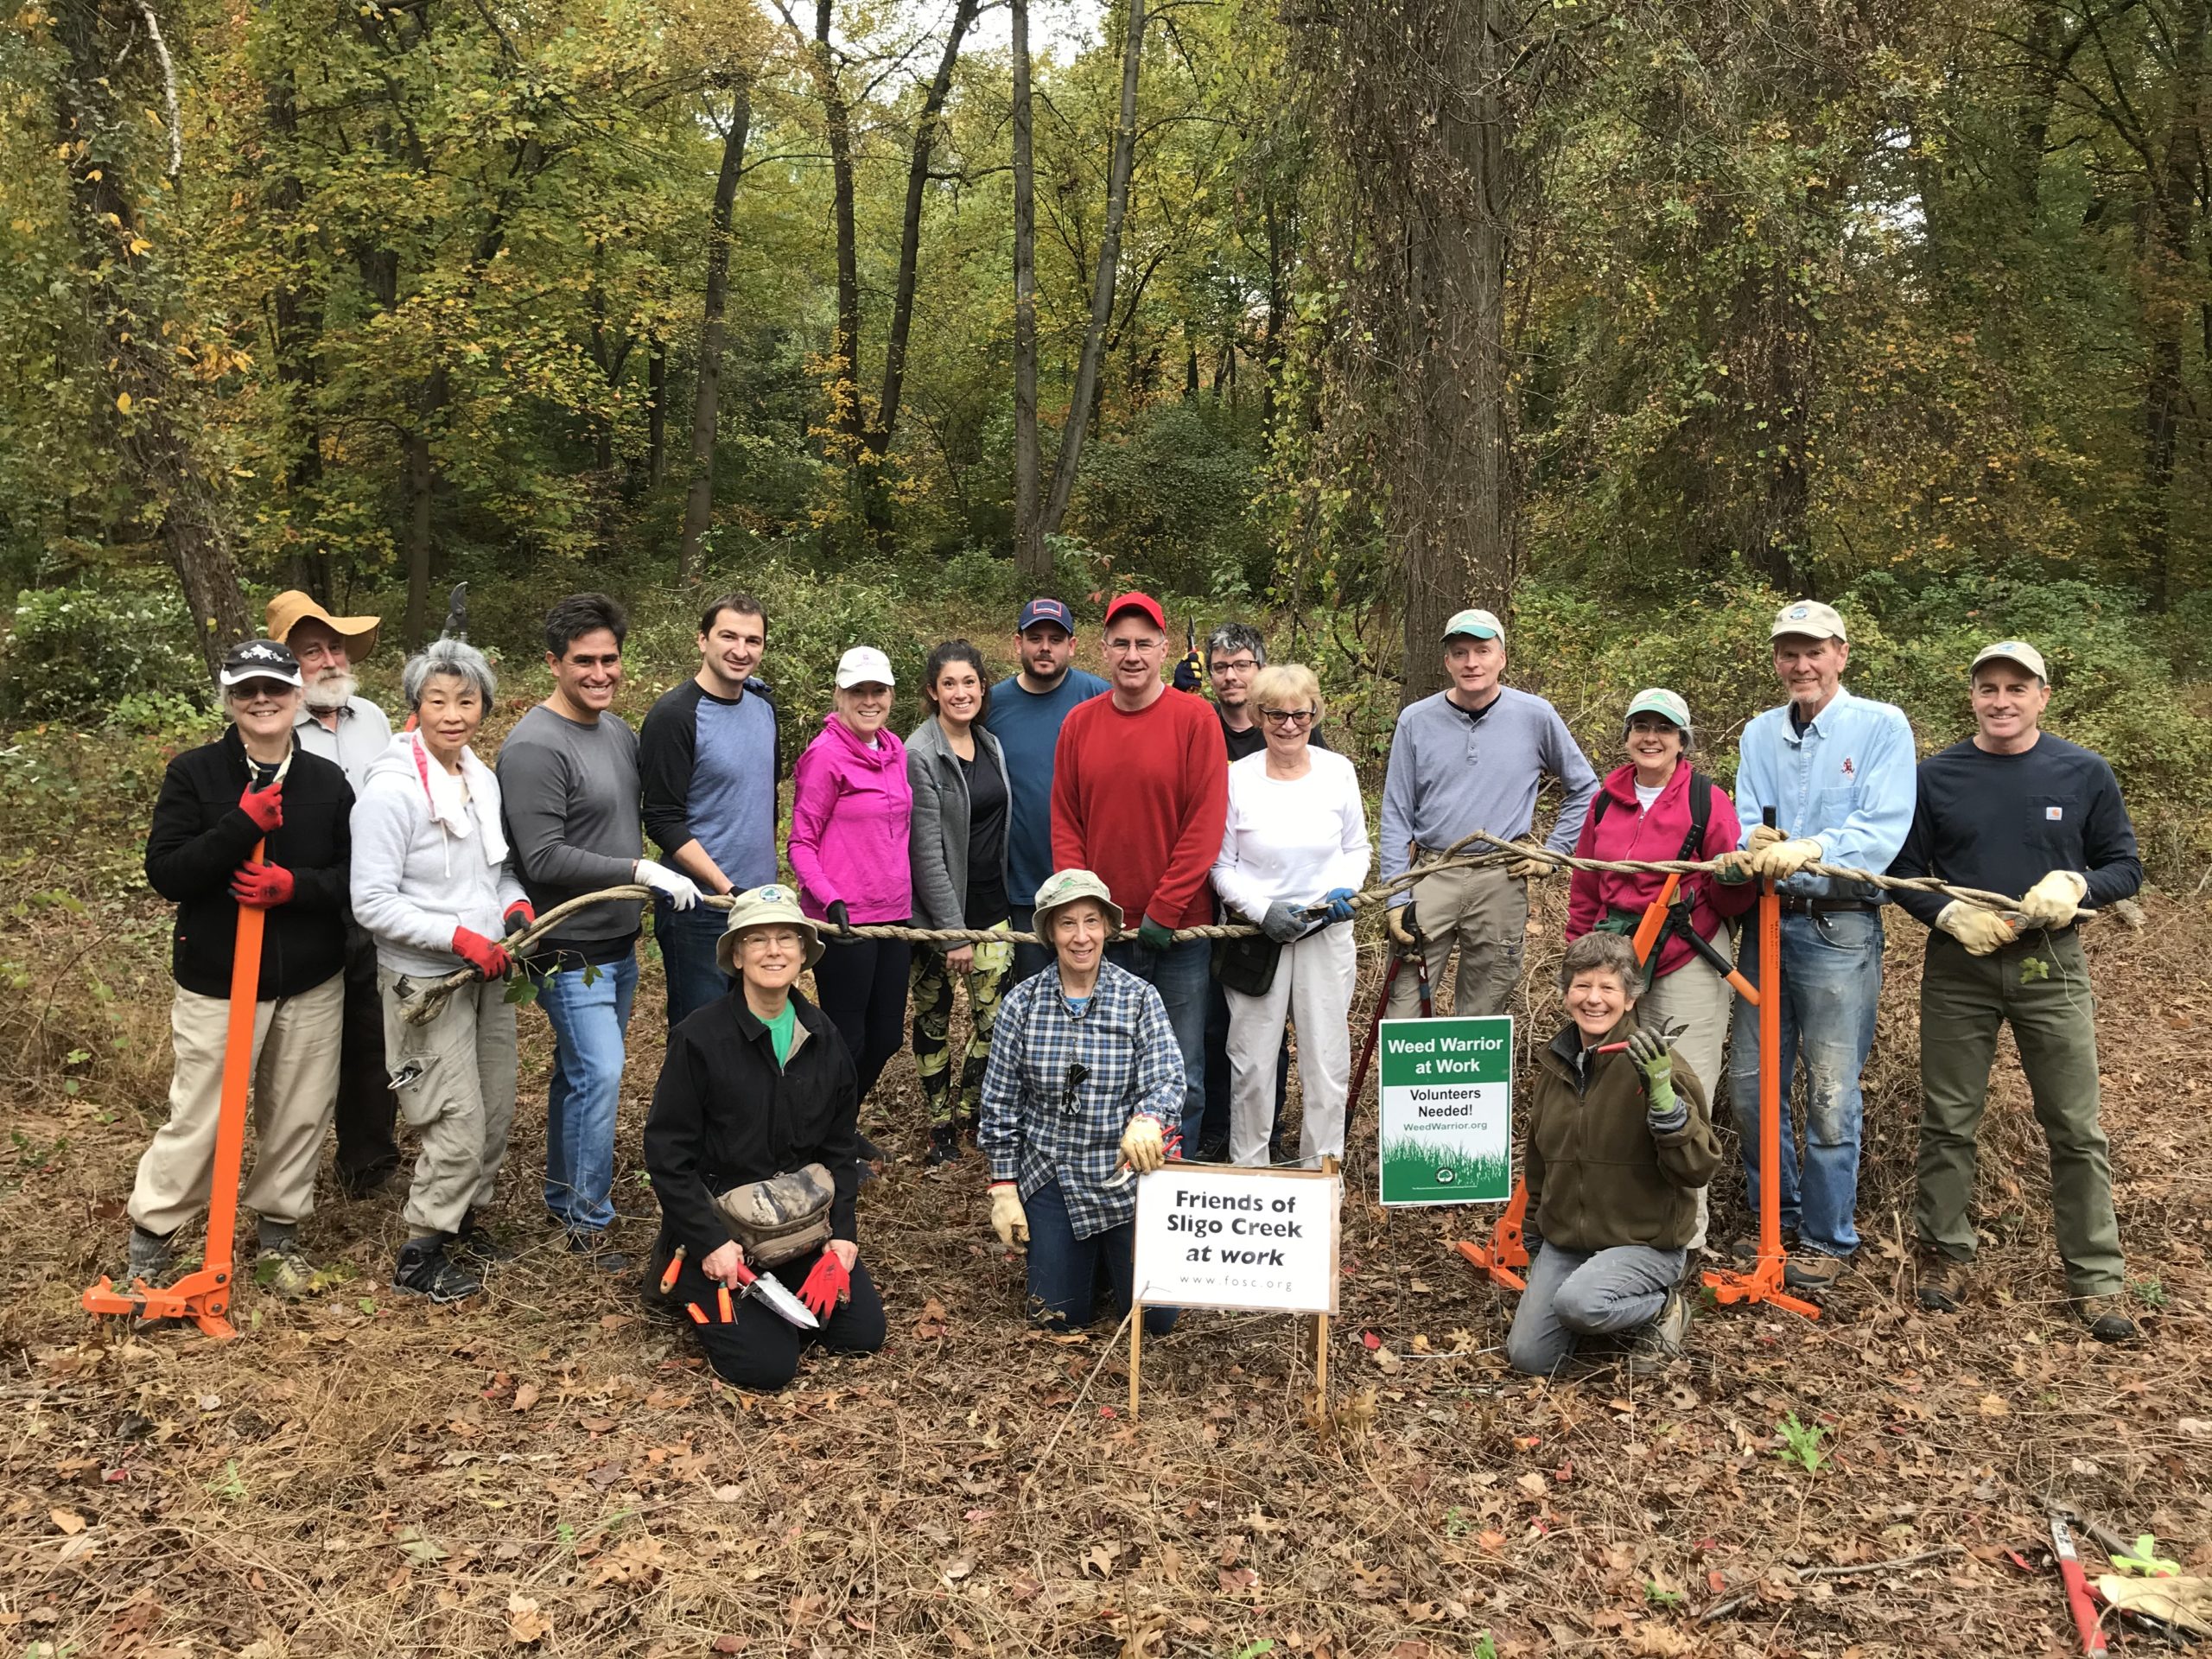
x=851, y=811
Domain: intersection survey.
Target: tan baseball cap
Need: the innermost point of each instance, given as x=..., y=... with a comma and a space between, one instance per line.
x=291, y=607
x=1065, y=887
x=1810, y=618
x=772, y=905
x=2013, y=651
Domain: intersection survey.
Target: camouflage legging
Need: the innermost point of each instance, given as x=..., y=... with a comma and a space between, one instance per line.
x=932, y=991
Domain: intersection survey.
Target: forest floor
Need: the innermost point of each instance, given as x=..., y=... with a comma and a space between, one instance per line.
x=546, y=1469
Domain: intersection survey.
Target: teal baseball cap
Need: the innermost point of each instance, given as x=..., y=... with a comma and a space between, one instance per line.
x=1481, y=624
x=1657, y=700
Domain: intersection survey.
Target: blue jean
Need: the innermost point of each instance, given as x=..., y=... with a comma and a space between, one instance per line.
x=1183, y=974
x=1576, y=1293
x=589, y=1023
x=1830, y=981
x=1064, y=1270
x=687, y=940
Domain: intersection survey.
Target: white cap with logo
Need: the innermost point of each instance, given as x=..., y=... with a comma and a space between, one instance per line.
x=863, y=665
x=1810, y=618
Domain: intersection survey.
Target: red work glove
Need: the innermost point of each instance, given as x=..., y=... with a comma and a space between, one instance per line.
x=265, y=806
x=264, y=887
x=488, y=958
x=826, y=1286
x=520, y=914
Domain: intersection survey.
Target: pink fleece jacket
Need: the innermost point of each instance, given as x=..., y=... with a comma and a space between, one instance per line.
x=851, y=811
x=1629, y=832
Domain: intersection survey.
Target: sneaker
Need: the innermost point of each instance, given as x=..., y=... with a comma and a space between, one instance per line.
x=1813, y=1270
x=1661, y=1341
x=944, y=1144
x=478, y=1243
x=1943, y=1287
x=284, y=1270
x=2105, y=1318
x=423, y=1270
x=593, y=1244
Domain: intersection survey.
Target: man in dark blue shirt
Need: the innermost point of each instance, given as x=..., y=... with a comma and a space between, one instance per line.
x=2015, y=810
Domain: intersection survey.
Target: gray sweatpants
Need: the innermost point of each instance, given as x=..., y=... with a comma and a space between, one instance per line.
x=1574, y=1293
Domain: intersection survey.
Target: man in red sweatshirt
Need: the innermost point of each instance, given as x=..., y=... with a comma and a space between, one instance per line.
x=1139, y=796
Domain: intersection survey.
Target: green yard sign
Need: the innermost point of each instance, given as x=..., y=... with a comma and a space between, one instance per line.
x=1446, y=1117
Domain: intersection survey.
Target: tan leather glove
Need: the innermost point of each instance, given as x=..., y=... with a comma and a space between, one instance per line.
x=1763, y=835
x=1008, y=1219
x=1529, y=869
x=1980, y=931
x=1781, y=858
x=1404, y=927
x=2055, y=901
x=1144, y=1148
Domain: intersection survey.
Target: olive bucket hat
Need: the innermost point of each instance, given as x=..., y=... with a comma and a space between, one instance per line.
x=773, y=906
x=1065, y=887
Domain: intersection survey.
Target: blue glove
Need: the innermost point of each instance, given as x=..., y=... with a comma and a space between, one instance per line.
x=1339, y=901
x=1284, y=921
x=1153, y=936
x=1188, y=675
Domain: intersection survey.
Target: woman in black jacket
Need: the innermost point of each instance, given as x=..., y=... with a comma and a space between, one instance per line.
x=252, y=786
x=758, y=1085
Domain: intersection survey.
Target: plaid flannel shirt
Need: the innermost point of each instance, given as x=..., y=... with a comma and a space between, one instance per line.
x=1062, y=1086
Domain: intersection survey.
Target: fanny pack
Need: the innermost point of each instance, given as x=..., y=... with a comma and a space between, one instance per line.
x=1246, y=965
x=781, y=1218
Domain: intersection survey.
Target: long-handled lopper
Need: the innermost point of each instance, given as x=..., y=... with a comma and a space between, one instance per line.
x=2086, y=1624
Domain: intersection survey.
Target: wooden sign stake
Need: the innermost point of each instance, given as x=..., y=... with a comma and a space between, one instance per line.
x=1136, y=1355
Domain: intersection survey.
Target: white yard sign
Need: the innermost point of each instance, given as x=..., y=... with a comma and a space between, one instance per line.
x=1215, y=1235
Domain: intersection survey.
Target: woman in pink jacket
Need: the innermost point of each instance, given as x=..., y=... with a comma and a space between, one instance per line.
x=1651, y=808
x=851, y=809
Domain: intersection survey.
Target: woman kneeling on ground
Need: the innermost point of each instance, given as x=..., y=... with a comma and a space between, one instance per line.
x=1085, y=1075
x=434, y=886
x=751, y=1144
x=1619, y=1145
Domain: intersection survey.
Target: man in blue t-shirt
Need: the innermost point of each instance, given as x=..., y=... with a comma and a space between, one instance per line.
x=1025, y=712
x=707, y=758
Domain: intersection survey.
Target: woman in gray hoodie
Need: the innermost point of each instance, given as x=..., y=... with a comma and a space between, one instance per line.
x=433, y=884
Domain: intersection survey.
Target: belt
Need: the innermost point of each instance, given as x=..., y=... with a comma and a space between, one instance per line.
x=1795, y=905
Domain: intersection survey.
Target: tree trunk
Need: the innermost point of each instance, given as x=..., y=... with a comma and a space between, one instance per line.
x=418, y=485
x=2166, y=287
x=1030, y=555
x=699, y=499
x=296, y=330
x=1101, y=287
x=656, y=412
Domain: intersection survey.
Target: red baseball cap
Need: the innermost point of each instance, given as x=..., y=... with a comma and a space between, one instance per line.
x=1136, y=602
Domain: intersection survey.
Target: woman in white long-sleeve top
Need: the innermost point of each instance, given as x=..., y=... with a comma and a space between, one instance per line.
x=434, y=886
x=1295, y=853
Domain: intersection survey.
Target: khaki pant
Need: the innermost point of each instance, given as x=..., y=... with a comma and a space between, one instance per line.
x=1697, y=998
x=2052, y=1011
x=462, y=1097
x=1486, y=913
x=1312, y=988
x=294, y=1086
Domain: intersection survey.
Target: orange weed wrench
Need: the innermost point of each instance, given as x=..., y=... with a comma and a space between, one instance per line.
x=204, y=1294
x=1763, y=1282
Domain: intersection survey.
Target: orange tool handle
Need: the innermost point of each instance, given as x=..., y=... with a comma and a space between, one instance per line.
x=698, y=1314
x=675, y=1266
x=1655, y=918
x=722, y=1302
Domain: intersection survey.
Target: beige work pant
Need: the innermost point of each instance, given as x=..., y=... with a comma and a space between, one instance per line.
x=294, y=1087
x=1698, y=999
x=462, y=1097
x=1483, y=913
x=1312, y=988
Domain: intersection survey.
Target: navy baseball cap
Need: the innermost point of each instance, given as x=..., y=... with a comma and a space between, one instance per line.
x=1044, y=610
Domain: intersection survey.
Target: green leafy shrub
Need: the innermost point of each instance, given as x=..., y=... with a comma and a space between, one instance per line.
x=74, y=651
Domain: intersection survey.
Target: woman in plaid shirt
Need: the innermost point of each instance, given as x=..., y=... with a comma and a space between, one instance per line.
x=1085, y=1075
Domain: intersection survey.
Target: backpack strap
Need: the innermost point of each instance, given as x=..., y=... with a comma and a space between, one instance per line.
x=1701, y=788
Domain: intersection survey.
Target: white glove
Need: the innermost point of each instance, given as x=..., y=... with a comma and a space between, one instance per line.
x=1143, y=1145
x=1980, y=931
x=679, y=890
x=2055, y=901
x=1778, y=859
x=1008, y=1219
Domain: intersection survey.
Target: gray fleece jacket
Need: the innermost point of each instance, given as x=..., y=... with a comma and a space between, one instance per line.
x=430, y=856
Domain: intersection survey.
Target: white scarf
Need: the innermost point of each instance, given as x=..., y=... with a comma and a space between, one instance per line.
x=462, y=804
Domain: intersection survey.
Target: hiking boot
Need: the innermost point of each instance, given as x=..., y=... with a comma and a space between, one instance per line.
x=1661, y=1341
x=148, y=1258
x=423, y=1270
x=2106, y=1317
x=592, y=1244
x=1813, y=1270
x=1943, y=1287
x=477, y=1243
x=1211, y=1152
x=281, y=1268
x=944, y=1144
x=363, y=1183
x=1744, y=1247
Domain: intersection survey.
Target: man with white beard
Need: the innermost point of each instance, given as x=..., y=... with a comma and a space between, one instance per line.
x=341, y=727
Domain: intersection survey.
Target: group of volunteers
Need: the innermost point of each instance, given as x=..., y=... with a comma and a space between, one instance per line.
x=1101, y=816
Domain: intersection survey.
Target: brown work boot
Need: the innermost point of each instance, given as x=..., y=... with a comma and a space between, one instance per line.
x=1813, y=1270
x=1660, y=1342
x=1943, y=1287
x=2106, y=1317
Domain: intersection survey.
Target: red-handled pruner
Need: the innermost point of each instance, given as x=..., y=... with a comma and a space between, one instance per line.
x=1123, y=1174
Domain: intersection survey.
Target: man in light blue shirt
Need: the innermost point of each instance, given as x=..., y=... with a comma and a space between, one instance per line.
x=1838, y=773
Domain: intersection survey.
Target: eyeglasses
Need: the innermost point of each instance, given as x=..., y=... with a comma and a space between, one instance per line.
x=1287, y=716
x=1233, y=665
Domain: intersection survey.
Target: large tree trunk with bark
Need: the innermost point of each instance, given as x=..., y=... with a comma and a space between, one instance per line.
x=2168, y=280
x=418, y=484
x=705, y=398
x=1029, y=549
x=1122, y=163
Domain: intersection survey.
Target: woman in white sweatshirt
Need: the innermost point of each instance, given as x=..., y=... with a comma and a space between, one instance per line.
x=1295, y=853
x=432, y=882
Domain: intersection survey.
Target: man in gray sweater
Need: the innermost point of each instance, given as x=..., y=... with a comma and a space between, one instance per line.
x=1472, y=757
x=569, y=781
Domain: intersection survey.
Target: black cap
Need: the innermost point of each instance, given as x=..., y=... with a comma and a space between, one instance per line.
x=260, y=659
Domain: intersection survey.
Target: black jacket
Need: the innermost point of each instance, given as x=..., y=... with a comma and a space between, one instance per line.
x=200, y=834
x=724, y=1114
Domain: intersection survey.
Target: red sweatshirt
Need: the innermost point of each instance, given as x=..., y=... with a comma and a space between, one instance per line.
x=1142, y=801
x=1628, y=832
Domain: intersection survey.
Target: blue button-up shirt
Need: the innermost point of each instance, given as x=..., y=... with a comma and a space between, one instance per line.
x=1063, y=1083
x=1847, y=782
